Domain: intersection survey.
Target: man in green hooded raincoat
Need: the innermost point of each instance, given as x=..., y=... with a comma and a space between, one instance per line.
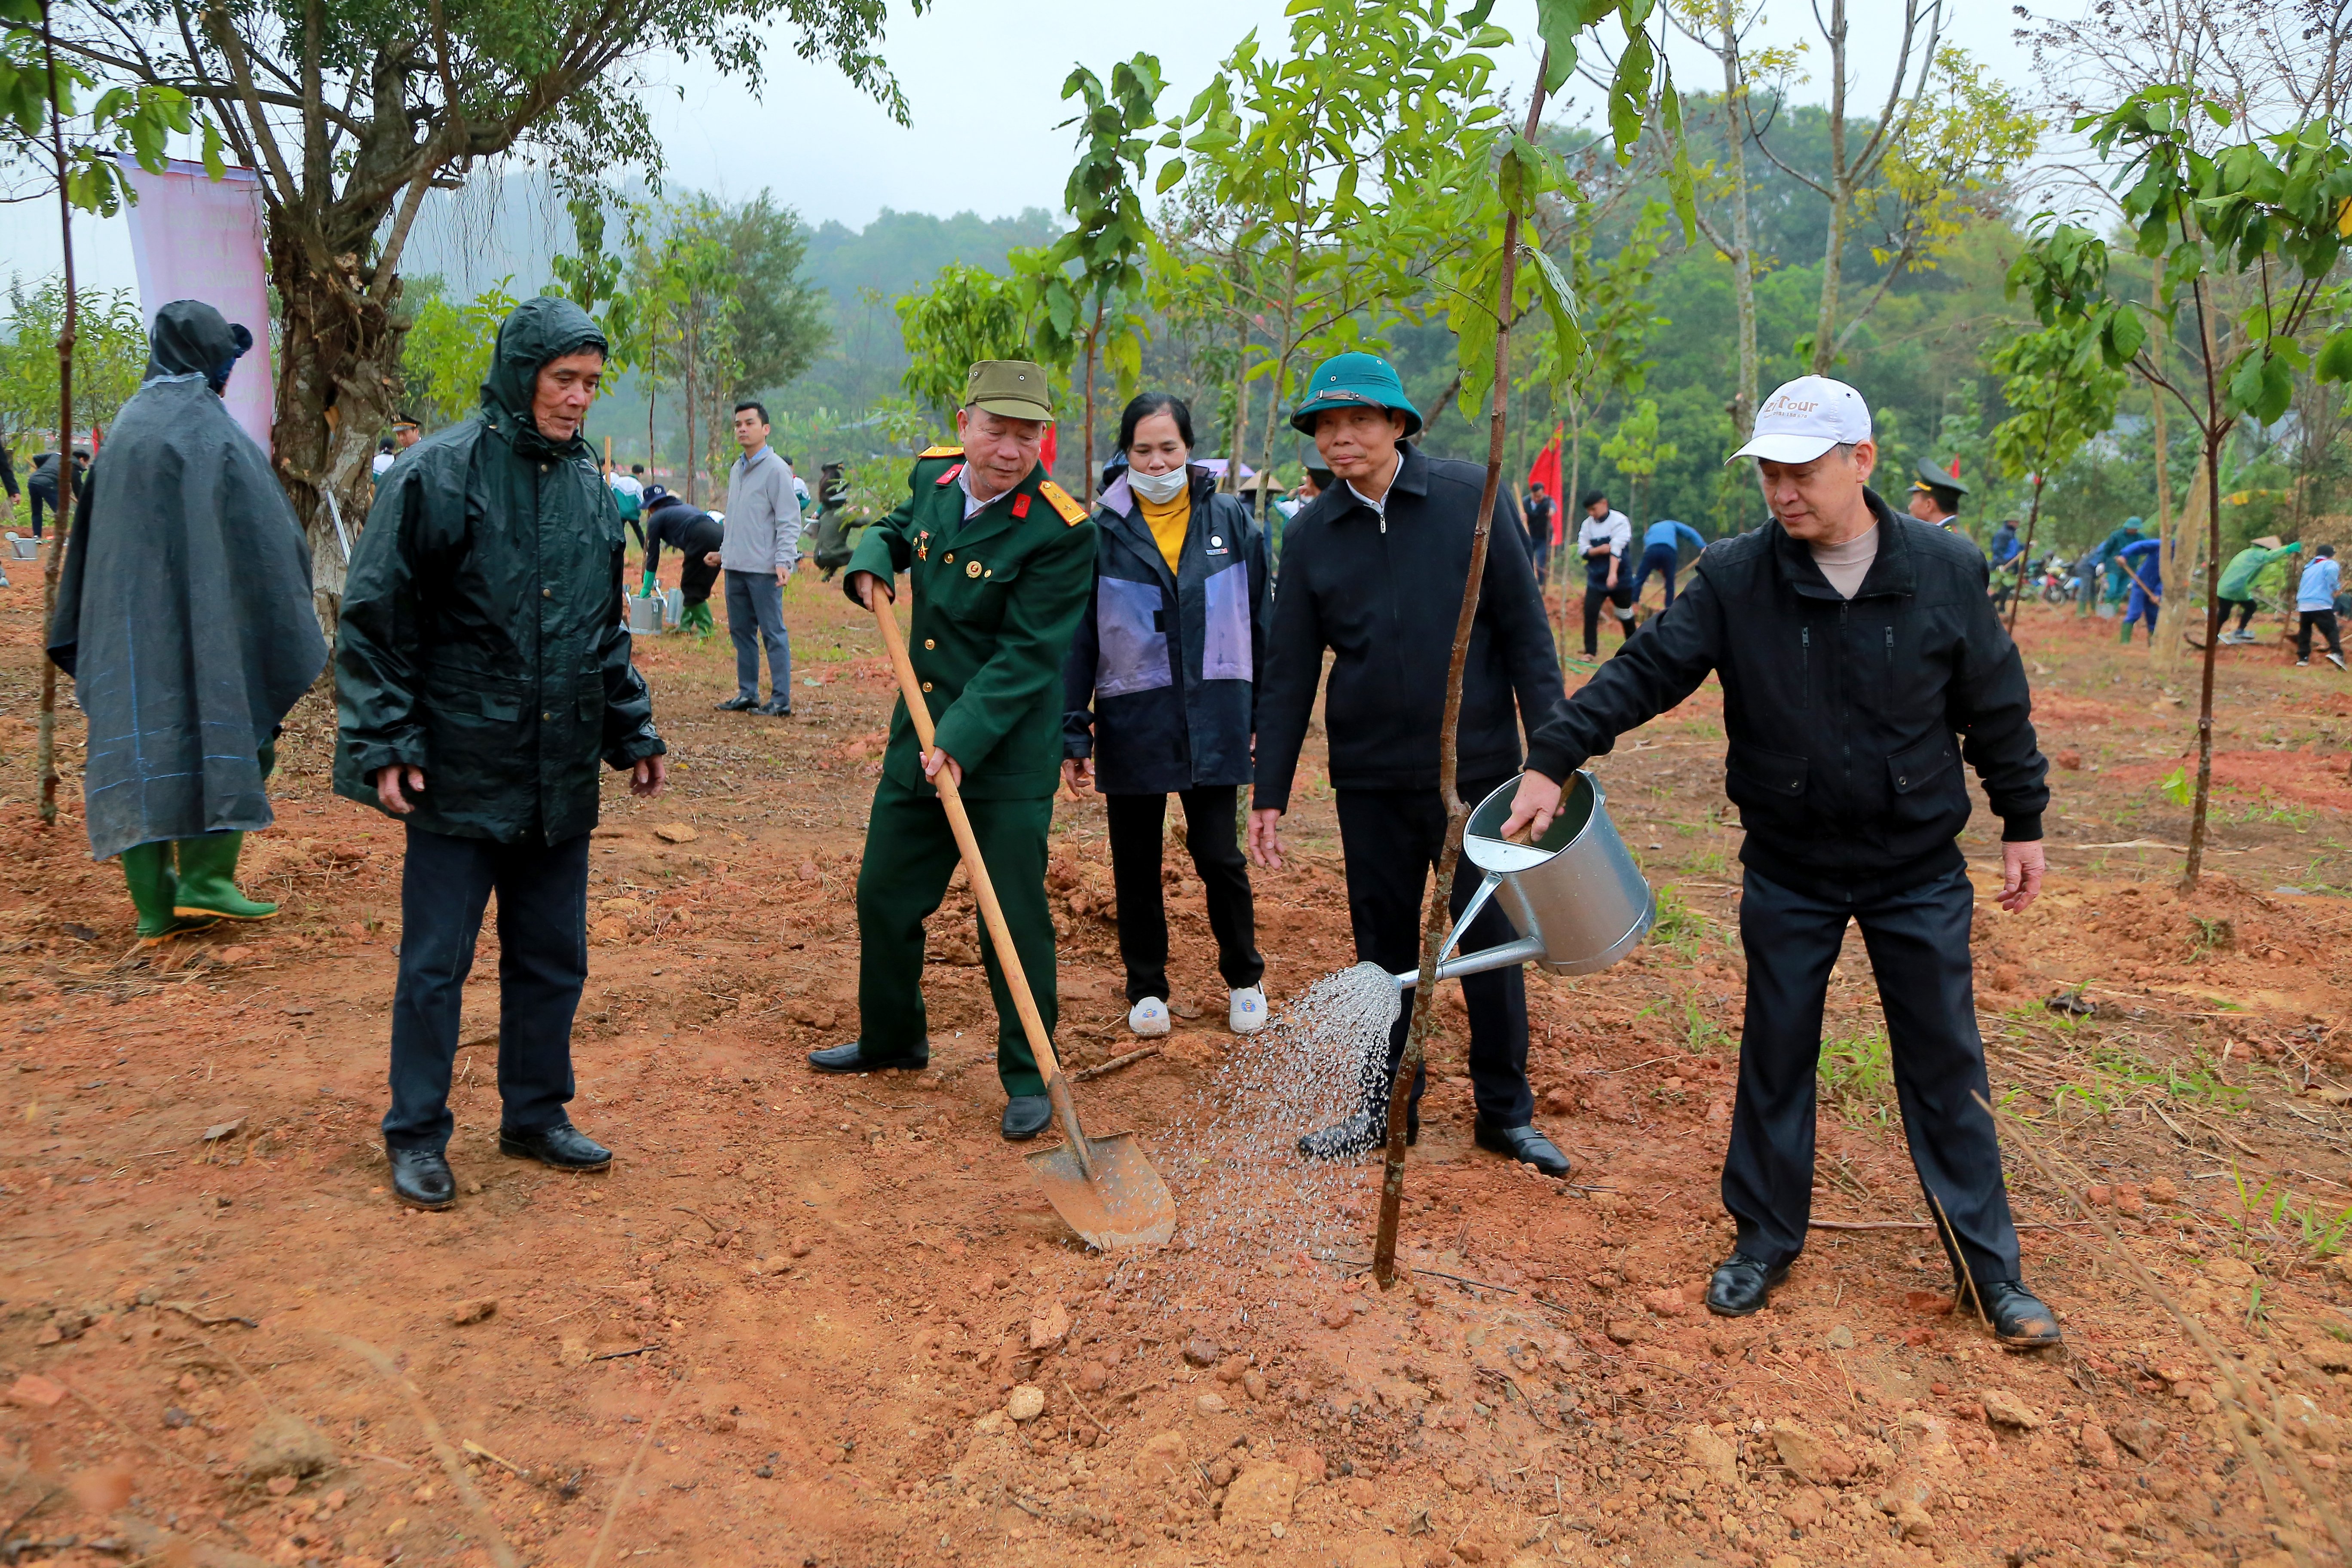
x=482, y=672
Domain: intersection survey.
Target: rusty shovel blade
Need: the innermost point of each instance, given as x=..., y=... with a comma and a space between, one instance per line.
x=1126, y=1206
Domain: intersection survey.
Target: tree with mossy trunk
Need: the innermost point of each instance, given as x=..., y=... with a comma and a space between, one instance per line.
x=350, y=113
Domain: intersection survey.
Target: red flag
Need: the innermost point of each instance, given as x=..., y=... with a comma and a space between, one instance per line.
x=1545, y=472
x=1045, y=453
x=1955, y=468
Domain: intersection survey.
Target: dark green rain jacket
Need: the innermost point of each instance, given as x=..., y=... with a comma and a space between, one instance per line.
x=482, y=635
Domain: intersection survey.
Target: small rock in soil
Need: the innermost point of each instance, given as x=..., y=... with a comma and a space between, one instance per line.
x=1261, y=1495
x=478, y=1310
x=2098, y=1446
x=1337, y=1315
x=1028, y=1402
x=1624, y=1331
x=285, y=1445
x=1230, y=1370
x=1210, y=1403
x=36, y=1392
x=1201, y=1350
x=2003, y=1408
x=1093, y=1376
x=1253, y=1384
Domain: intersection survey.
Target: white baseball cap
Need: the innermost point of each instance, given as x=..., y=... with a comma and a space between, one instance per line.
x=1804, y=418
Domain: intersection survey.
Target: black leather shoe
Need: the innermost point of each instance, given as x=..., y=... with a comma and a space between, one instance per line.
x=421, y=1178
x=563, y=1146
x=1359, y=1134
x=1742, y=1285
x=774, y=708
x=1523, y=1145
x=1025, y=1116
x=2018, y=1319
x=848, y=1058
x=737, y=705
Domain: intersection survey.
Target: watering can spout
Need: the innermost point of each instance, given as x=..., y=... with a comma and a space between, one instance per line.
x=1528, y=949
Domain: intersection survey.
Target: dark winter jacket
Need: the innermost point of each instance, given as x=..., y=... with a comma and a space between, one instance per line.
x=1161, y=680
x=1382, y=594
x=183, y=609
x=1847, y=720
x=693, y=534
x=482, y=638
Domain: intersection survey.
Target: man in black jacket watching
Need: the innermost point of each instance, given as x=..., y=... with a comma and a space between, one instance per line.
x=1862, y=663
x=1373, y=570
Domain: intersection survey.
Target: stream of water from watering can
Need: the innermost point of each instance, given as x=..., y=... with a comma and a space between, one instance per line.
x=1250, y=1207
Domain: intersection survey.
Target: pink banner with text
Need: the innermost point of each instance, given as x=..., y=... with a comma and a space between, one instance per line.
x=193, y=238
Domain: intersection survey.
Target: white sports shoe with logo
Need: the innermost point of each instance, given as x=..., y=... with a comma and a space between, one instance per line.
x=1148, y=1018
x=1246, y=1013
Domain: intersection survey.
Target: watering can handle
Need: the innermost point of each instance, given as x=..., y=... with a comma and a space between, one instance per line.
x=1478, y=901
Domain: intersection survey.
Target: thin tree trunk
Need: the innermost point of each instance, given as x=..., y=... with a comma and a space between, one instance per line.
x=1743, y=270
x=1840, y=195
x=45, y=743
x=1439, y=916
x=692, y=411
x=2216, y=430
x=1086, y=489
x=1241, y=413
x=2025, y=559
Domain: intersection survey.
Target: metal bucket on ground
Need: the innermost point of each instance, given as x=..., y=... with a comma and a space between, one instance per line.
x=1575, y=896
x=673, y=609
x=644, y=616
x=22, y=548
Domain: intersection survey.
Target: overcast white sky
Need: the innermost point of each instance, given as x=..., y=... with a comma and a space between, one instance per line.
x=982, y=79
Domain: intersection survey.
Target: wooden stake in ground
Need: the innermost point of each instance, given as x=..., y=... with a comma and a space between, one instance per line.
x=1434, y=923
x=45, y=742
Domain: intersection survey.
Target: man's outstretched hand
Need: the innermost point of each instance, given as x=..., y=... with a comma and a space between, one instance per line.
x=1534, y=807
x=648, y=776
x=2021, y=866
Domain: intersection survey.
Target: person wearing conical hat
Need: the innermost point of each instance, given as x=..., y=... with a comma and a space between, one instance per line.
x=1936, y=495
x=1000, y=561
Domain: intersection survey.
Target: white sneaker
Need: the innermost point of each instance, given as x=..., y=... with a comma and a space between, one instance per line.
x=1148, y=1019
x=1246, y=1013
x=2337, y=659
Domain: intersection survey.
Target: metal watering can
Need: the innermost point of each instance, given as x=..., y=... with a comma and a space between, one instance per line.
x=1575, y=896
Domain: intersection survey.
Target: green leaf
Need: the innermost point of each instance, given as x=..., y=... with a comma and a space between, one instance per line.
x=1628, y=93
x=1171, y=173
x=1558, y=23
x=2334, y=361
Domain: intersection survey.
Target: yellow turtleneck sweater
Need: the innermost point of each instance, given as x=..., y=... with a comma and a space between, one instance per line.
x=1168, y=523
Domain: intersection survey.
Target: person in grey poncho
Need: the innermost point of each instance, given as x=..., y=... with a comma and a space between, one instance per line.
x=184, y=616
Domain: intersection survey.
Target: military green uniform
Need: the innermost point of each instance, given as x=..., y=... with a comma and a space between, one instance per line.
x=997, y=597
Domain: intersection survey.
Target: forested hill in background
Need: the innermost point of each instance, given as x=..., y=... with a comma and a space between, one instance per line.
x=504, y=231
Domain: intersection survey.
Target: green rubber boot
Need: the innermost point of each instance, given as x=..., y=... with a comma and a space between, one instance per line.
x=154, y=892
x=696, y=618
x=208, y=880
x=2125, y=636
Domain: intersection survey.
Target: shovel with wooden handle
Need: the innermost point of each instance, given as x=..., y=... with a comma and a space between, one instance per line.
x=1104, y=1187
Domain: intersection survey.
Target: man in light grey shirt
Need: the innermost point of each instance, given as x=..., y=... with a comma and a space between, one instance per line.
x=761, y=545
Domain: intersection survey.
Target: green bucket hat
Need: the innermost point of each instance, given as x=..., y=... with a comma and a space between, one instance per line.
x=1354, y=380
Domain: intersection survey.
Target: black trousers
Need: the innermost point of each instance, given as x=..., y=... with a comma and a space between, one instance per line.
x=542, y=892
x=1919, y=945
x=1209, y=832
x=2306, y=622
x=1596, y=595
x=2245, y=608
x=1390, y=839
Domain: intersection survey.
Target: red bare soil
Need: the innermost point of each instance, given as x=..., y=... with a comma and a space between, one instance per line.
x=785, y=1328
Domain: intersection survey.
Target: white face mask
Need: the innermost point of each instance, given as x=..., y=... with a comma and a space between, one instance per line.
x=1159, y=488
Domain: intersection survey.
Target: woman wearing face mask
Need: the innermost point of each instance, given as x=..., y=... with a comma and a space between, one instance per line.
x=1162, y=686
